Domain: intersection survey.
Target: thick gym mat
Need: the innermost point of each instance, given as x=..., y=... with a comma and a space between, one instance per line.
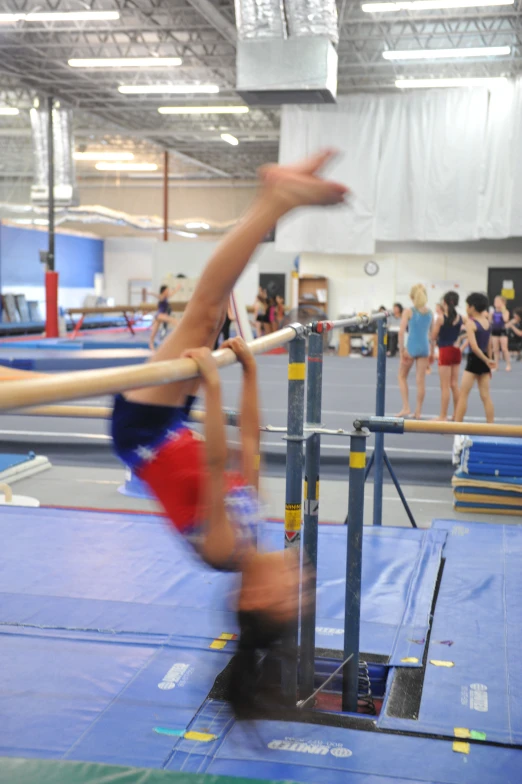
x=473, y=678
x=24, y=771
x=308, y=753
x=514, y=484
x=60, y=360
x=131, y=573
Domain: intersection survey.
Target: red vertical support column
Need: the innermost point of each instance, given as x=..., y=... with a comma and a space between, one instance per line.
x=51, y=304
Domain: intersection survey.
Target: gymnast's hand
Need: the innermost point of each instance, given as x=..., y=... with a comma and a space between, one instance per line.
x=300, y=184
x=206, y=364
x=242, y=352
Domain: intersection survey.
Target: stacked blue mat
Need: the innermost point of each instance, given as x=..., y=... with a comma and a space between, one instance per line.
x=489, y=478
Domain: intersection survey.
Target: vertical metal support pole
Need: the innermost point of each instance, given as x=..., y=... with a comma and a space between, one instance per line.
x=314, y=384
x=352, y=605
x=50, y=183
x=294, y=490
x=166, y=196
x=51, y=276
x=378, y=475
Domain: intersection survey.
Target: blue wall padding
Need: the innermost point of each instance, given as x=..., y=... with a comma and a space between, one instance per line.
x=77, y=258
x=477, y=627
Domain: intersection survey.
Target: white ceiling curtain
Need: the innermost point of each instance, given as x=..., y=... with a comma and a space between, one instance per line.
x=436, y=165
x=354, y=128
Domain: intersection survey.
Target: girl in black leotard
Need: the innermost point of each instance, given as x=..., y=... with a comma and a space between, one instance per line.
x=499, y=318
x=163, y=316
x=480, y=362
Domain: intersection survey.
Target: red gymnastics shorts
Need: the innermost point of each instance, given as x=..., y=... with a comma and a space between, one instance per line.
x=176, y=474
x=449, y=356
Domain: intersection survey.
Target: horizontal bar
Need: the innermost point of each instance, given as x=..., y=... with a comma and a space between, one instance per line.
x=91, y=383
x=463, y=428
x=362, y=320
x=398, y=425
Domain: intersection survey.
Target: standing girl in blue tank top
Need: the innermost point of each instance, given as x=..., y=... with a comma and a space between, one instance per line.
x=480, y=362
x=417, y=349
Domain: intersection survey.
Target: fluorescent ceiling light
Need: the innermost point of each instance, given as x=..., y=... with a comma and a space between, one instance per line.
x=155, y=89
x=471, y=82
x=429, y=5
x=8, y=111
x=126, y=62
x=187, y=234
x=197, y=225
x=61, y=16
x=103, y=156
x=227, y=137
x=142, y=167
x=447, y=54
x=203, y=110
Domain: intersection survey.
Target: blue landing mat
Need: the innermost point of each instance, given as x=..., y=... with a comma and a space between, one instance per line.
x=130, y=573
x=60, y=360
x=477, y=627
x=327, y=755
x=76, y=344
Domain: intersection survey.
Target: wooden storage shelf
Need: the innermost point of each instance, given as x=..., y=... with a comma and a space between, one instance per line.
x=309, y=286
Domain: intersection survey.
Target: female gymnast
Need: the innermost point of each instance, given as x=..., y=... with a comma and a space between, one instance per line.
x=480, y=362
x=417, y=321
x=446, y=333
x=499, y=318
x=213, y=510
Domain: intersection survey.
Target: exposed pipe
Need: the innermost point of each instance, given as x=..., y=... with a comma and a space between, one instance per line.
x=166, y=196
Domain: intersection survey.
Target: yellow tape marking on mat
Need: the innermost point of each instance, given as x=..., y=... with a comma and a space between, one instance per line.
x=296, y=371
x=460, y=747
x=410, y=660
x=462, y=732
x=293, y=517
x=203, y=737
x=440, y=663
x=222, y=640
x=357, y=459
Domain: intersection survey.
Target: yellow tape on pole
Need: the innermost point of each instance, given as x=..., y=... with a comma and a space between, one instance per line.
x=357, y=459
x=296, y=371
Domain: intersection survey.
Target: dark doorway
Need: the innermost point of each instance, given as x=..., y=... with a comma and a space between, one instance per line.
x=498, y=277
x=274, y=283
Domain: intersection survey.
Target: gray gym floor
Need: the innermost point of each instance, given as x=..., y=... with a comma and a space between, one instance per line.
x=86, y=474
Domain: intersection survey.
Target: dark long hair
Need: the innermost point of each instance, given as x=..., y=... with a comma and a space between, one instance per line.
x=254, y=682
x=451, y=299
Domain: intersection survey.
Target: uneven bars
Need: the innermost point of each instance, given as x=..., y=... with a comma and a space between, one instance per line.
x=398, y=425
x=362, y=320
x=90, y=383
x=96, y=412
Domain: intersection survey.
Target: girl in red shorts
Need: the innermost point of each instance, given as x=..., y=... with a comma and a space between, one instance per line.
x=215, y=511
x=446, y=333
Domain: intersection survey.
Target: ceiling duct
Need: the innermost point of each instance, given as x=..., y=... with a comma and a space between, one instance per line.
x=64, y=173
x=312, y=17
x=260, y=19
x=285, y=51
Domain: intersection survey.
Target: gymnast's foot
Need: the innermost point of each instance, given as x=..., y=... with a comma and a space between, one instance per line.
x=403, y=413
x=300, y=184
